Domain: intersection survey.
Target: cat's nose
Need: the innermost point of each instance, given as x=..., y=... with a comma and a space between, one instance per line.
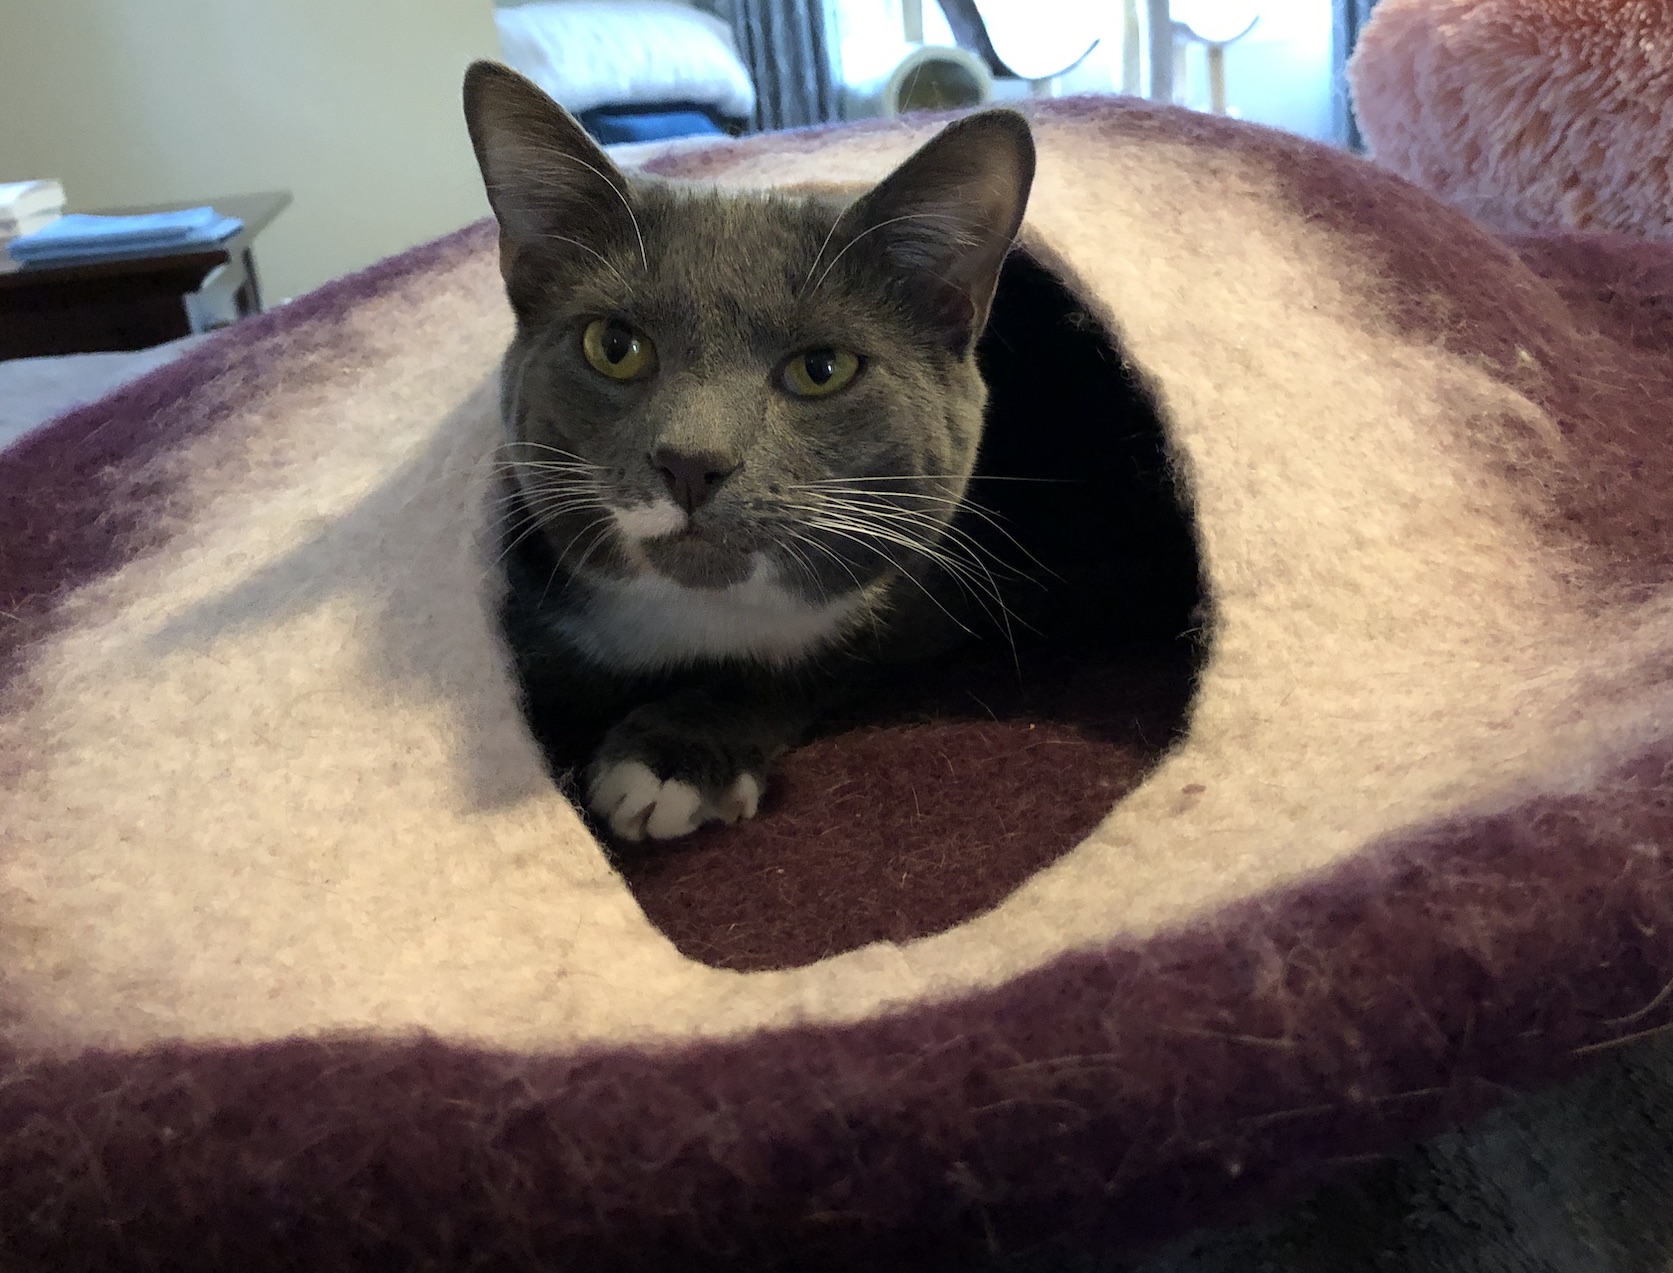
x=693, y=476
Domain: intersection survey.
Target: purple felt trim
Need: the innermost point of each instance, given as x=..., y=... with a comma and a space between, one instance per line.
x=1112, y=1097
x=1106, y=1100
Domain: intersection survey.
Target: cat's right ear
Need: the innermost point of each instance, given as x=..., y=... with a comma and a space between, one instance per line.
x=555, y=194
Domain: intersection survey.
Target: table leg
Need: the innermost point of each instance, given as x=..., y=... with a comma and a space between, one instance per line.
x=249, y=290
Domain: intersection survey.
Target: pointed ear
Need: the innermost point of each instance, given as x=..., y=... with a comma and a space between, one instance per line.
x=944, y=220
x=555, y=194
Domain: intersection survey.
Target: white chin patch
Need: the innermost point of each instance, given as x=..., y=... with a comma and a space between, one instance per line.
x=649, y=521
x=638, y=805
x=649, y=623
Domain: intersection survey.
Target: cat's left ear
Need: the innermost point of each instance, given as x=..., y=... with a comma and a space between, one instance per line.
x=945, y=219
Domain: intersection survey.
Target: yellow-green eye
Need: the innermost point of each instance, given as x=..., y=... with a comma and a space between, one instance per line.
x=820, y=372
x=614, y=348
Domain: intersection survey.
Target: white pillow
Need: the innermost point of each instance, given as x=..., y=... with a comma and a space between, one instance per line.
x=588, y=53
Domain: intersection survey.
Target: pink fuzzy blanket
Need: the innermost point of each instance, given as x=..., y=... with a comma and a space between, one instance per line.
x=1528, y=114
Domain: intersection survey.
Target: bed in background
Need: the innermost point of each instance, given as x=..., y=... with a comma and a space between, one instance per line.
x=632, y=70
x=34, y=391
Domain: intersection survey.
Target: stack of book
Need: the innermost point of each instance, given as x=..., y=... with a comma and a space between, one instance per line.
x=83, y=236
x=27, y=206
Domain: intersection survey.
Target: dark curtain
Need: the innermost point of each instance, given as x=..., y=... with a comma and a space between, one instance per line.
x=783, y=45
x=1350, y=19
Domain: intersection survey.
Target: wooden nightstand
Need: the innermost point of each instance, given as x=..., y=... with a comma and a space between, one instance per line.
x=131, y=302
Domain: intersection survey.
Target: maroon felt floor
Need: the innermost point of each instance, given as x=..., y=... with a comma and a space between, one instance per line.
x=894, y=831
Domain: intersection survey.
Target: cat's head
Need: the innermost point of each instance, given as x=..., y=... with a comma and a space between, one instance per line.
x=708, y=389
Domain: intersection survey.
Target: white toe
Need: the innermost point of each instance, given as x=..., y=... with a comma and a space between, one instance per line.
x=625, y=794
x=741, y=799
x=624, y=781
x=636, y=803
x=678, y=811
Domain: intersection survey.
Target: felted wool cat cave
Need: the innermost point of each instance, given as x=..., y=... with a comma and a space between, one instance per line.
x=307, y=960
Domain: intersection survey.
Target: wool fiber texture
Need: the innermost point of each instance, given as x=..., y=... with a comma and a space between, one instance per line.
x=306, y=961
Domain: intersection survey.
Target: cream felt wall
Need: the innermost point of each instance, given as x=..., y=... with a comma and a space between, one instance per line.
x=277, y=782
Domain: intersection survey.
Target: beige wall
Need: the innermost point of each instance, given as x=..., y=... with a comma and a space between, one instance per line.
x=352, y=105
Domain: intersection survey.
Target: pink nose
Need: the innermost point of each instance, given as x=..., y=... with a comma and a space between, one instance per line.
x=693, y=476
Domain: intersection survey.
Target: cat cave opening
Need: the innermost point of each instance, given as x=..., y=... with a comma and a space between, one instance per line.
x=921, y=807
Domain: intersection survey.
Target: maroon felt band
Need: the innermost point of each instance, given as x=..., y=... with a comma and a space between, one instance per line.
x=1103, y=1101
x=1109, y=1098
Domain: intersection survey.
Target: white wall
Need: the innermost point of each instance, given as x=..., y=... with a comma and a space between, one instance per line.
x=352, y=105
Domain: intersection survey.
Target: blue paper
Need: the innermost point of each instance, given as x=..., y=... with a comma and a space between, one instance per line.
x=81, y=234
x=612, y=127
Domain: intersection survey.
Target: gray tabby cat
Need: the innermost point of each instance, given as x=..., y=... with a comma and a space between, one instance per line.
x=739, y=428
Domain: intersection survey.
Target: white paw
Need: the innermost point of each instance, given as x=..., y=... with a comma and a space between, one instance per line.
x=637, y=804
x=740, y=800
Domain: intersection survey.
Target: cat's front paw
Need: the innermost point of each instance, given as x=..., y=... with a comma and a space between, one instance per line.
x=637, y=804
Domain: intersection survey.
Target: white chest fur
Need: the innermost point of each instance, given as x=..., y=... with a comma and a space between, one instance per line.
x=650, y=623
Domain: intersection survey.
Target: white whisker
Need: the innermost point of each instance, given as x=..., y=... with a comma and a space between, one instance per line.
x=621, y=194
x=594, y=253
x=864, y=542
x=603, y=523
x=872, y=229
x=865, y=517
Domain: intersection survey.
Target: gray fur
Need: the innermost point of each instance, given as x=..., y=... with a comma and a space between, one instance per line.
x=728, y=288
